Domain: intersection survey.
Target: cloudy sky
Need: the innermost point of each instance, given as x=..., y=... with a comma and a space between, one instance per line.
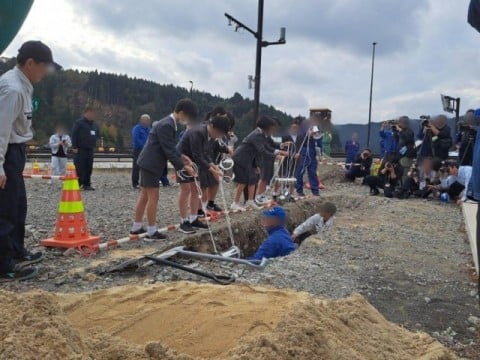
x=425, y=47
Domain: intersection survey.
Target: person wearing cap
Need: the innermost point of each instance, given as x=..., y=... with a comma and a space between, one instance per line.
x=279, y=242
x=160, y=148
x=34, y=62
x=85, y=134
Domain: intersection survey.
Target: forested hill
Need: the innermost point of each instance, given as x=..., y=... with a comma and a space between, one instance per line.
x=122, y=100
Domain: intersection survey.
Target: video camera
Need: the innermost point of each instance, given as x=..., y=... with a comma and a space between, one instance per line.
x=426, y=120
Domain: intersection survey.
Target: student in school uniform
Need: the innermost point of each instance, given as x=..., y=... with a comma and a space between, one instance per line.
x=247, y=159
x=160, y=148
x=195, y=145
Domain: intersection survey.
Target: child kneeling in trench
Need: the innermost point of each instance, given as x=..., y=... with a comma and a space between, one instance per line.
x=317, y=223
x=279, y=242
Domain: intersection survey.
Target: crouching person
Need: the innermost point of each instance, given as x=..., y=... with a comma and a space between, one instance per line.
x=316, y=224
x=279, y=242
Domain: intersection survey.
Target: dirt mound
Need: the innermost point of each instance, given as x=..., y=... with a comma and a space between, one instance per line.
x=331, y=174
x=201, y=321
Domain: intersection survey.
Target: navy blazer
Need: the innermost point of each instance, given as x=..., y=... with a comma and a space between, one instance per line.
x=161, y=147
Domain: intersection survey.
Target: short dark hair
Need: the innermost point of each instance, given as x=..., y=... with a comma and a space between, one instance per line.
x=277, y=121
x=231, y=117
x=368, y=149
x=451, y=163
x=329, y=208
x=188, y=107
x=217, y=110
x=265, y=122
x=298, y=120
x=470, y=111
x=221, y=123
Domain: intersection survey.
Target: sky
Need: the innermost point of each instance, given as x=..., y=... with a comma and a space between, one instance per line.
x=425, y=48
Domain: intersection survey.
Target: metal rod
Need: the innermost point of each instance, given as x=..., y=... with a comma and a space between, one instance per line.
x=192, y=254
x=371, y=92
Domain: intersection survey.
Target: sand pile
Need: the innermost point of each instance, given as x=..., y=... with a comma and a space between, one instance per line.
x=201, y=321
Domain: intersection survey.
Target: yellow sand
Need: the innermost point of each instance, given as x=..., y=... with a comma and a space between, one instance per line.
x=192, y=321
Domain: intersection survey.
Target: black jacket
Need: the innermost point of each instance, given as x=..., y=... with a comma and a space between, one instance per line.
x=161, y=146
x=406, y=140
x=442, y=143
x=195, y=145
x=253, y=147
x=85, y=134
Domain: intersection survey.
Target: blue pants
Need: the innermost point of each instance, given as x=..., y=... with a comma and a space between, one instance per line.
x=308, y=163
x=13, y=208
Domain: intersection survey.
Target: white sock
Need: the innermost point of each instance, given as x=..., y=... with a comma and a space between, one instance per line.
x=137, y=226
x=205, y=204
x=184, y=220
x=192, y=218
x=151, y=230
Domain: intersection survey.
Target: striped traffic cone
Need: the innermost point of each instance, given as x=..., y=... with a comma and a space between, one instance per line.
x=71, y=230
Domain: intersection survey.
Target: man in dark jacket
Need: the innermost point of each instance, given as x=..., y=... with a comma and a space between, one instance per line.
x=441, y=137
x=360, y=166
x=139, y=138
x=85, y=134
x=160, y=148
x=406, y=145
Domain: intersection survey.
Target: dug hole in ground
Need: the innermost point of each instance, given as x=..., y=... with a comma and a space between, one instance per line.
x=304, y=306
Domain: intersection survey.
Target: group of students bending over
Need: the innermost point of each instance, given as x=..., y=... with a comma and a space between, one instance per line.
x=196, y=156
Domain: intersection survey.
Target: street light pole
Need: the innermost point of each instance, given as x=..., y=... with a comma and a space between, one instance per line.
x=258, y=63
x=371, y=91
x=191, y=89
x=260, y=44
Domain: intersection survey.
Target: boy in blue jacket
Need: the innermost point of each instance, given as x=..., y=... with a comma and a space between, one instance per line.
x=279, y=242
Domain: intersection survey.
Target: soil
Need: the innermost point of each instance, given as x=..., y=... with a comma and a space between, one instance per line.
x=192, y=321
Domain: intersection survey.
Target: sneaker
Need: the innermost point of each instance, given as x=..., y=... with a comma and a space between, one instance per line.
x=136, y=187
x=155, y=236
x=300, y=194
x=261, y=200
x=250, y=205
x=197, y=224
x=88, y=188
x=186, y=228
x=29, y=259
x=138, y=232
x=214, y=208
x=19, y=275
x=236, y=207
x=201, y=213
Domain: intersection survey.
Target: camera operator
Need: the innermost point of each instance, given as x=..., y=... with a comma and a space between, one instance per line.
x=441, y=137
x=466, y=140
x=388, y=178
x=419, y=179
x=406, y=144
x=389, y=136
x=360, y=166
x=425, y=134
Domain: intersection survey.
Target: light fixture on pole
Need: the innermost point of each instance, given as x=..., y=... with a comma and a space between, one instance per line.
x=451, y=105
x=374, y=44
x=260, y=44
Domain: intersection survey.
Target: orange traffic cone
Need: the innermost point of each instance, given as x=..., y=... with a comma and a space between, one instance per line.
x=71, y=230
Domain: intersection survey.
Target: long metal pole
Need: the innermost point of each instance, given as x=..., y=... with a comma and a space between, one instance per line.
x=371, y=91
x=258, y=63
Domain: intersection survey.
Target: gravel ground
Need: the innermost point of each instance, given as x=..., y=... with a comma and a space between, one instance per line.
x=409, y=258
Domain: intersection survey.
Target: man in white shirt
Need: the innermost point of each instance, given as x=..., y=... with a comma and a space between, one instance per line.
x=34, y=62
x=316, y=224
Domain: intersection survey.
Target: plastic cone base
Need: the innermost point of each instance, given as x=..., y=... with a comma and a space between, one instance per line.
x=52, y=242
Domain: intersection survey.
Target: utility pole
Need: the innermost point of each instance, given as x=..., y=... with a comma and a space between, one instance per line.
x=260, y=44
x=371, y=92
x=191, y=89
